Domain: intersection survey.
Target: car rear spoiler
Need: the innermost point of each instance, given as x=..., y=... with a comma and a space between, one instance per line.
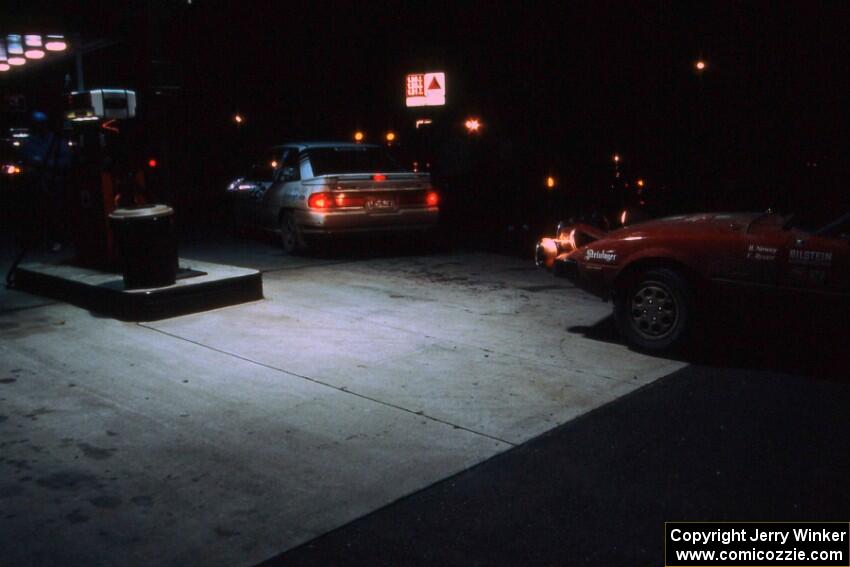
x=342, y=178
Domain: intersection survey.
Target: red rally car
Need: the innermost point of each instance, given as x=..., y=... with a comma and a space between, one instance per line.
x=660, y=273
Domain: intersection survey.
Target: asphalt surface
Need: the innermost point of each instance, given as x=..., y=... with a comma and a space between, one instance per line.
x=703, y=444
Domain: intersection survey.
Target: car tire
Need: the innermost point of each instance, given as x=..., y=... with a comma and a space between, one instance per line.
x=654, y=310
x=291, y=238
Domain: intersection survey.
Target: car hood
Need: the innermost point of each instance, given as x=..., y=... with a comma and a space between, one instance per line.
x=689, y=224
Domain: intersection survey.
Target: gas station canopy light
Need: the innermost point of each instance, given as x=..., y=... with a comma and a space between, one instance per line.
x=13, y=44
x=55, y=43
x=33, y=47
x=17, y=49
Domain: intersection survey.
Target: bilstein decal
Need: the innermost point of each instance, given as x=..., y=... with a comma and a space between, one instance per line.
x=810, y=257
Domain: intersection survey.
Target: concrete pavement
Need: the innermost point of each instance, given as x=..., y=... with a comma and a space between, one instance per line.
x=226, y=437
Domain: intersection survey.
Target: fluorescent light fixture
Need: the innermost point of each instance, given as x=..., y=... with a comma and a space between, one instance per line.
x=13, y=44
x=32, y=40
x=34, y=54
x=55, y=43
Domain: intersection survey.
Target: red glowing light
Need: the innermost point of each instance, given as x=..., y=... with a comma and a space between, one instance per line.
x=152, y=163
x=319, y=201
x=432, y=199
x=110, y=125
x=379, y=177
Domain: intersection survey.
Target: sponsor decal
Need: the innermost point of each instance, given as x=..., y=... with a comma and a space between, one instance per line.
x=608, y=256
x=761, y=253
x=810, y=257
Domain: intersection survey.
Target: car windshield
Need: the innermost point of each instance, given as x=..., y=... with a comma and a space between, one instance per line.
x=352, y=160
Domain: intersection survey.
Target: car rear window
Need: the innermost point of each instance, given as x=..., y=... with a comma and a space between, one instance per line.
x=327, y=161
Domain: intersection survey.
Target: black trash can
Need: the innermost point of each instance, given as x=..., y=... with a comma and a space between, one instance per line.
x=147, y=245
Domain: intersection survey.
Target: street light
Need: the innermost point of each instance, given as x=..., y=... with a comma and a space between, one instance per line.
x=359, y=136
x=700, y=65
x=472, y=125
x=390, y=137
x=238, y=119
x=550, y=182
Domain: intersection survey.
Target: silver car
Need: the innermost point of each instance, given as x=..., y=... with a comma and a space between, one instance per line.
x=309, y=189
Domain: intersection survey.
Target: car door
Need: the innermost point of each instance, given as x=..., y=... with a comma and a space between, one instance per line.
x=257, y=183
x=819, y=262
x=761, y=257
x=286, y=177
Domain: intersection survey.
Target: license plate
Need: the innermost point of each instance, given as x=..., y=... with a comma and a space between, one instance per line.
x=381, y=204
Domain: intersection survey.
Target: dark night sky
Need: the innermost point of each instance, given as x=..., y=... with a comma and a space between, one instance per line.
x=567, y=84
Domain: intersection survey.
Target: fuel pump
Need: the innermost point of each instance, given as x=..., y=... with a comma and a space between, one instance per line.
x=109, y=172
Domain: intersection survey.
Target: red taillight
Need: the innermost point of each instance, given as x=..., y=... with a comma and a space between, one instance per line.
x=152, y=163
x=346, y=200
x=432, y=199
x=335, y=200
x=319, y=201
x=379, y=177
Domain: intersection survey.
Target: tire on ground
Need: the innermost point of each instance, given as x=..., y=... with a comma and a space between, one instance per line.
x=291, y=238
x=654, y=310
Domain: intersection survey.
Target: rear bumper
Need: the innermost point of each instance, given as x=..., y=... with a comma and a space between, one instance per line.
x=352, y=222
